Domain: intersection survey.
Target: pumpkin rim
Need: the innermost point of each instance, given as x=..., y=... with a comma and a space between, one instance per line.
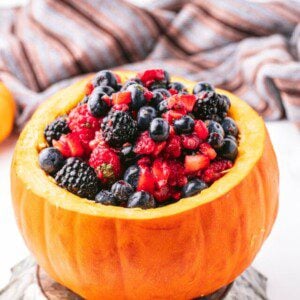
x=252, y=135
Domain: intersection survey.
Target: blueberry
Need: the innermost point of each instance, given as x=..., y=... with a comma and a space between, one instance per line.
x=130, y=82
x=96, y=105
x=51, y=160
x=230, y=127
x=145, y=115
x=104, y=89
x=105, y=197
x=164, y=92
x=193, y=187
x=141, y=199
x=156, y=99
x=178, y=86
x=202, y=86
x=159, y=129
x=231, y=137
x=214, y=126
x=229, y=149
x=131, y=175
x=121, y=191
x=137, y=96
x=105, y=78
x=216, y=140
x=162, y=107
x=127, y=154
x=184, y=125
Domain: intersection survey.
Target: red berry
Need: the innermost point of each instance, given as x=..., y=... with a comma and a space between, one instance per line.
x=172, y=115
x=188, y=101
x=148, y=95
x=144, y=144
x=98, y=140
x=173, y=147
x=106, y=164
x=121, y=107
x=190, y=141
x=149, y=76
x=194, y=163
x=159, y=147
x=80, y=118
x=121, y=98
x=201, y=129
x=216, y=170
x=144, y=161
x=177, y=174
x=118, y=78
x=69, y=145
x=173, y=91
x=163, y=194
x=88, y=88
x=161, y=172
x=208, y=150
x=146, y=180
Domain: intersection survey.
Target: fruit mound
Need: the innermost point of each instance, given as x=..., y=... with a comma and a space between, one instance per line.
x=145, y=143
x=184, y=250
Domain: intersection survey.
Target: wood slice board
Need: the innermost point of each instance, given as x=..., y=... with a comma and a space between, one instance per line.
x=30, y=282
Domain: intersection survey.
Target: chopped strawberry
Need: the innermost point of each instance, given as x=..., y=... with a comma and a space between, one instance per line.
x=173, y=147
x=173, y=91
x=106, y=163
x=159, y=147
x=201, y=129
x=188, y=101
x=144, y=144
x=161, y=172
x=172, y=115
x=146, y=180
x=194, y=163
x=69, y=145
x=144, y=161
x=106, y=99
x=121, y=98
x=190, y=141
x=148, y=95
x=88, y=88
x=150, y=76
x=208, y=150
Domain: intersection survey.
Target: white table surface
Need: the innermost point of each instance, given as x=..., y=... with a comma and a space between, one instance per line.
x=279, y=258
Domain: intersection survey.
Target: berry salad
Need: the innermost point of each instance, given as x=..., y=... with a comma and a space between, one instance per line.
x=145, y=143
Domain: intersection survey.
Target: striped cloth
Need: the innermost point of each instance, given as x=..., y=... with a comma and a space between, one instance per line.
x=251, y=48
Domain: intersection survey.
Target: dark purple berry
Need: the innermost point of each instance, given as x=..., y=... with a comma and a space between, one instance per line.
x=131, y=175
x=51, y=160
x=105, y=78
x=137, y=96
x=193, y=187
x=230, y=127
x=145, y=115
x=121, y=191
x=159, y=129
x=106, y=197
x=184, y=125
x=229, y=149
x=202, y=87
x=142, y=200
x=96, y=105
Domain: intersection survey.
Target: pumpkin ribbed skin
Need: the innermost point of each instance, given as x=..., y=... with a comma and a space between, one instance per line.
x=7, y=112
x=181, y=251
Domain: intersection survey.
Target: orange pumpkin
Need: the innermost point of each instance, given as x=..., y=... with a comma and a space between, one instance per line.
x=7, y=112
x=179, y=251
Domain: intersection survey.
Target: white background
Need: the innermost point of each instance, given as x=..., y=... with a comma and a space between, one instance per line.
x=279, y=258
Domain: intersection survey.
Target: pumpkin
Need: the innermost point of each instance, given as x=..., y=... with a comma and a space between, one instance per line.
x=180, y=251
x=7, y=112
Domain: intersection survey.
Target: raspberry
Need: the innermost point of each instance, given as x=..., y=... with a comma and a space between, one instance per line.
x=98, y=140
x=163, y=194
x=190, y=141
x=144, y=144
x=121, y=107
x=201, y=129
x=159, y=147
x=216, y=170
x=148, y=77
x=69, y=145
x=173, y=147
x=106, y=164
x=79, y=178
x=177, y=175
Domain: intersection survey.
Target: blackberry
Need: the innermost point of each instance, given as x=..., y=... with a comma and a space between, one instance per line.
x=121, y=191
x=118, y=127
x=79, y=178
x=56, y=129
x=212, y=106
